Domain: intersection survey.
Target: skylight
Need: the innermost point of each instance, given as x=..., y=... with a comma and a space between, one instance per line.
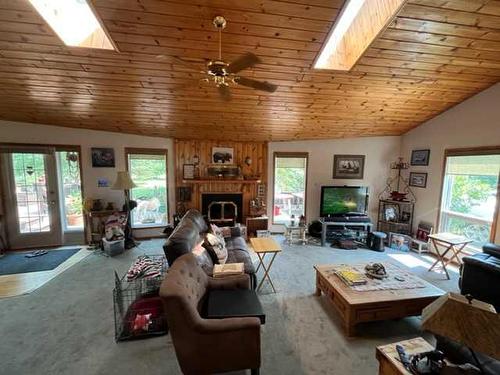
x=357, y=26
x=74, y=22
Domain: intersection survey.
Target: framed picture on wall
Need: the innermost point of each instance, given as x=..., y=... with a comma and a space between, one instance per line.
x=418, y=179
x=420, y=157
x=348, y=166
x=188, y=171
x=222, y=155
x=103, y=157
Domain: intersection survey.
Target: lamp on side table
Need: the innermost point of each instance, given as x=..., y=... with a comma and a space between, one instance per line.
x=124, y=182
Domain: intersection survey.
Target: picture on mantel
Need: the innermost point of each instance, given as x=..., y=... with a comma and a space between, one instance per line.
x=222, y=155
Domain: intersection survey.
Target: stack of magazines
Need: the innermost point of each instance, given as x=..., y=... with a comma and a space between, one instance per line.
x=351, y=276
x=228, y=269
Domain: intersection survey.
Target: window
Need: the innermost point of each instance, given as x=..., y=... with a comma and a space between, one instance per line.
x=74, y=22
x=70, y=190
x=469, y=197
x=290, y=180
x=148, y=169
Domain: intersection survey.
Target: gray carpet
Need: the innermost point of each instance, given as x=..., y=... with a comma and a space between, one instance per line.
x=66, y=326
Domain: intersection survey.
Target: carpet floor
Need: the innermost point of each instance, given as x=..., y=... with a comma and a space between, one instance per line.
x=66, y=326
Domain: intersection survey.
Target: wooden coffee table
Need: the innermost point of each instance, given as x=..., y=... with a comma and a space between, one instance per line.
x=359, y=307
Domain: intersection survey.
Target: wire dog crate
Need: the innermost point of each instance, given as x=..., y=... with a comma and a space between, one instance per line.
x=138, y=309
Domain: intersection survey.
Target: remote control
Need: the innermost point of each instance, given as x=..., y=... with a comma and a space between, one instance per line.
x=403, y=356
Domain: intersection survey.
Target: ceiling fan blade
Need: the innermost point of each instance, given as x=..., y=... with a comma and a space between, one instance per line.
x=246, y=61
x=224, y=92
x=186, y=64
x=258, y=85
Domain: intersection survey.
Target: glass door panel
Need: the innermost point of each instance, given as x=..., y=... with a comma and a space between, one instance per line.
x=32, y=213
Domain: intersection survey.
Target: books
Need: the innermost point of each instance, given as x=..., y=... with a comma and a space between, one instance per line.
x=351, y=276
x=228, y=269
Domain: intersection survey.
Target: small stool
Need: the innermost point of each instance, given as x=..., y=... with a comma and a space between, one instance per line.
x=376, y=241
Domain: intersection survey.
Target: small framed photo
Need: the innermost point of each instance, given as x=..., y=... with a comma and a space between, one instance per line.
x=391, y=212
x=399, y=241
x=188, y=171
x=222, y=155
x=261, y=190
x=102, y=182
x=405, y=217
x=418, y=179
x=348, y=166
x=420, y=157
x=103, y=157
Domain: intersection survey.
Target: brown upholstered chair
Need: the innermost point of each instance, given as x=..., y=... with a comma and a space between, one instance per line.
x=207, y=346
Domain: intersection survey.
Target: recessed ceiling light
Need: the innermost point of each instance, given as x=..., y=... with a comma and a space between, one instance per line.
x=74, y=22
x=359, y=23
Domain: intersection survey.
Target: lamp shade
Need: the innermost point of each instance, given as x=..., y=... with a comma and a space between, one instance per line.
x=474, y=324
x=123, y=181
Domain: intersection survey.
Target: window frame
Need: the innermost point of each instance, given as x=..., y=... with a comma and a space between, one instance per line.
x=150, y=151
x=472, y=151
x=283, y=154
x=78, y=150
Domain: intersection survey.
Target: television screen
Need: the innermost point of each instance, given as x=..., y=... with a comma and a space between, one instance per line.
x=337, y=200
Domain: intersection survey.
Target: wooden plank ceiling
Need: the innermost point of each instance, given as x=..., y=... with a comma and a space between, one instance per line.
x=433, y=56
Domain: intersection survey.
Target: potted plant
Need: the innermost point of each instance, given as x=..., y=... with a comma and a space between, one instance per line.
x=74, y=209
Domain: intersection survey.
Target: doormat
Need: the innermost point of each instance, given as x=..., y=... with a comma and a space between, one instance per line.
x=13, y=263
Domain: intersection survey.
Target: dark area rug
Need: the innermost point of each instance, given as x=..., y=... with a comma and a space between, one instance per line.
x=13, y=263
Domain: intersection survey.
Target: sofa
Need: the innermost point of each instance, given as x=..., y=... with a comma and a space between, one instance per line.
x=187, y=235
x=207, y=346
x=480, y=275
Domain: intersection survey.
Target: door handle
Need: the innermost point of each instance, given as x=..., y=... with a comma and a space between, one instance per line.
x=53, y=203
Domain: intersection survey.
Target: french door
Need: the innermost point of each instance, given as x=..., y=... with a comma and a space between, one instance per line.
x=31, y=198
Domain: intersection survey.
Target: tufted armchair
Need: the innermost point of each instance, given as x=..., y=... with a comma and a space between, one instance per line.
x=207, y=346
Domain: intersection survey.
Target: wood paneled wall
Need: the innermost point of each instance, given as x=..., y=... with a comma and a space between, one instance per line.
x=257, y=151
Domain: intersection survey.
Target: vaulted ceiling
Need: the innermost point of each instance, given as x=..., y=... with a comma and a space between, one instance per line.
x=434, y=55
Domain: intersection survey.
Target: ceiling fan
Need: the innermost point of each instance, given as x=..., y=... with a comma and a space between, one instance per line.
x=224, y=74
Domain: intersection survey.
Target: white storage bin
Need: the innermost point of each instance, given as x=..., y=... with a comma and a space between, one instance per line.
x=113, y=248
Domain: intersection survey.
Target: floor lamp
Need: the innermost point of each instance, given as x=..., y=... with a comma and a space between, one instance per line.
x=124, y=182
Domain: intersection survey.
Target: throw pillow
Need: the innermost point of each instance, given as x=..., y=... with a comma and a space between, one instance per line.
x=226, y=232
x=216, y=247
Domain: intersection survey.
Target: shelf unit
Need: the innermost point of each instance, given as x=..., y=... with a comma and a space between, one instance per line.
x=403, y=209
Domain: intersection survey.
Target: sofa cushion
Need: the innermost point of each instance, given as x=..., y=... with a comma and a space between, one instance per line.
x=238, y=253
x=197, y=219
x=484, y=260
x=181, y=241
x=216, y=247
x=492, y=249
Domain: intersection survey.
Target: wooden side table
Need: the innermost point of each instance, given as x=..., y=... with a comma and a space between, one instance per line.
x=256, y=223
x=262, y=246
x=447, y=242
x=388, y=358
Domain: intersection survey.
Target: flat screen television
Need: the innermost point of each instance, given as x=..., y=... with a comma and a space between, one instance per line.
x=341, y=200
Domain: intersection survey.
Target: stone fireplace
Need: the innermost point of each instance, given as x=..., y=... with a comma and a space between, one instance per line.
x=218, y=211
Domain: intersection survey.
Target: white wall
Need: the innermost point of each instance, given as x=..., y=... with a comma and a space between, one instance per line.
x=472, y=123
x=379, y=151
x=43, y=134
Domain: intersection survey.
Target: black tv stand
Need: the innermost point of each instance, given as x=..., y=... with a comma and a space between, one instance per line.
x=364, y=226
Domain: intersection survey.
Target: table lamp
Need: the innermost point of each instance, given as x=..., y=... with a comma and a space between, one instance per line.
x=470, y=322
x=124, y=182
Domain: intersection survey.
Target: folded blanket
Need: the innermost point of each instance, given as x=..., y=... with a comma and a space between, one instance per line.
x=145, y=267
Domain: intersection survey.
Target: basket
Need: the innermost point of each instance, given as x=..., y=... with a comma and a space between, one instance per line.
x=138, y=309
